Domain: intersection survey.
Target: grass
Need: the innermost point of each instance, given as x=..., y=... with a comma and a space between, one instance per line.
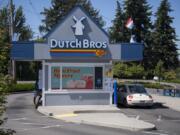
x=156, y=85
x=172, y=81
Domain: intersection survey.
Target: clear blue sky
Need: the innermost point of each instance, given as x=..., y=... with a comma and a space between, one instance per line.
x=32, y=9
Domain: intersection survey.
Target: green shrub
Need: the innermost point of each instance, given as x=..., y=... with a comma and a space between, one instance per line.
x=170, y=75
x=154, y=85
x=172, y=81
x=178, y=73
x=130, y=70
x=23, y=87
x=119, y=70
x=5, y=85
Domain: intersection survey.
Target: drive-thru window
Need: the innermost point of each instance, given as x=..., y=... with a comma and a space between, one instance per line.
x=76, y=61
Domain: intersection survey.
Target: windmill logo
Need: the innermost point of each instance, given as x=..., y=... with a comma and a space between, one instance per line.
x=79, y=27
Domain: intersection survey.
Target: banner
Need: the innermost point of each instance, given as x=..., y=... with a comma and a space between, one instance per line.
x=77, y=77
x=55, y=77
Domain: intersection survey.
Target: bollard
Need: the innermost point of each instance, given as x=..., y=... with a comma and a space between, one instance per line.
x=115, y=92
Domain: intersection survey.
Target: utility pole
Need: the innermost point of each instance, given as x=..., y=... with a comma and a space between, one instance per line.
x=13, y=64
x=11, y=19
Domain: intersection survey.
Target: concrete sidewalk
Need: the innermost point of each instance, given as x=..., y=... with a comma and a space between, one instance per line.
x=170, y=102
x=99, y=115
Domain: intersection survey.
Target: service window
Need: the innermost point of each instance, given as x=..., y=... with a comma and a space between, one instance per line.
x=55, y=77
x=77, y=77
x=98, y=77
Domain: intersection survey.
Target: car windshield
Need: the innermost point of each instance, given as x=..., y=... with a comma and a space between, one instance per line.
x=137, y=89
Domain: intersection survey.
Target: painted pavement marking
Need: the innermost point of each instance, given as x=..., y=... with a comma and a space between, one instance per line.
x=37, y=124
x=66, y=115
x=44, y=127
x=16, y=119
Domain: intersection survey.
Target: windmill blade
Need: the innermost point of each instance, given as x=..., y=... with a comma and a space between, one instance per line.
x=75, y=18
x=82, y=18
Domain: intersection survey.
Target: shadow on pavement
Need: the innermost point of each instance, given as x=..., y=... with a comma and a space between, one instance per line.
x=156, y=105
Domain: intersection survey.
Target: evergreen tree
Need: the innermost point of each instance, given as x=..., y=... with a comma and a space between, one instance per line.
x=60, y=8
x=4, y=50
x=116, y=32
x=140, y=12
x=19, y=27
x=19, y=23
x=159, y=70
x=4, y=41
x=165, y=37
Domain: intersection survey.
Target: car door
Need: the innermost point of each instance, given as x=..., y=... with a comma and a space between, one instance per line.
x=121, y=93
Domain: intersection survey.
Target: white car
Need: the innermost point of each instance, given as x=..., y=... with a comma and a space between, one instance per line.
x=133, y=95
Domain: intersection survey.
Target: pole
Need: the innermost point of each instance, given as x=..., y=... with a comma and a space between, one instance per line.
x=11, y=18
x=115, y=92
x=13, y=64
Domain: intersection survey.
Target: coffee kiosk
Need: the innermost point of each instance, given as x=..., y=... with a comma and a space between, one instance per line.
x=76, y=60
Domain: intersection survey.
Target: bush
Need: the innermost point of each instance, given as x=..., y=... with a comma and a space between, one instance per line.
x=23, y=87
x=173, y=81
x=129, y=71
x=119, y=70
x=137, y=71
x=178, y=73
x=154, y=85
x=5, y=85
x=170, y=75
x=148, y=85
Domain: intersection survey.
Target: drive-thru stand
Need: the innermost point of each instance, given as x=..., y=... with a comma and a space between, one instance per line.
x=76, y=61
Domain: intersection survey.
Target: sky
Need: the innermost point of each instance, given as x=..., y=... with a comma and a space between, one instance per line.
x=106, y=8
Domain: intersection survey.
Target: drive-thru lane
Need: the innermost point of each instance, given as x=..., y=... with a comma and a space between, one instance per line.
x=24, y=119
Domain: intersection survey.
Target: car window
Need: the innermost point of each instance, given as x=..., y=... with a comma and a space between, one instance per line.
x=122, y=88
x=136, y=89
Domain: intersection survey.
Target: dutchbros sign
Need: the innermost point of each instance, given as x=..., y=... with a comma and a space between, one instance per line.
x=84, y=44
x=78, y=46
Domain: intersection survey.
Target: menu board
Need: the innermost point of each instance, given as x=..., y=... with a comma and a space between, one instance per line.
x=77, y=77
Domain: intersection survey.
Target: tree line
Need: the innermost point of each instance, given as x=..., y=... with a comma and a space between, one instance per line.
x=159, y=38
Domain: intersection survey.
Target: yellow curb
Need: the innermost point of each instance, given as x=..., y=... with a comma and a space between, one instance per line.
x=66, y=115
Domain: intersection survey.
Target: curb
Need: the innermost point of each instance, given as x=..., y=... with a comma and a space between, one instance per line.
x=60, y=117
x=73, y=114
x=153, y=127
x=117, y=126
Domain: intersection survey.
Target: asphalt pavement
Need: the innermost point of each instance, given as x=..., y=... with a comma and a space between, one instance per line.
x=25, y=120
x=167, y=121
